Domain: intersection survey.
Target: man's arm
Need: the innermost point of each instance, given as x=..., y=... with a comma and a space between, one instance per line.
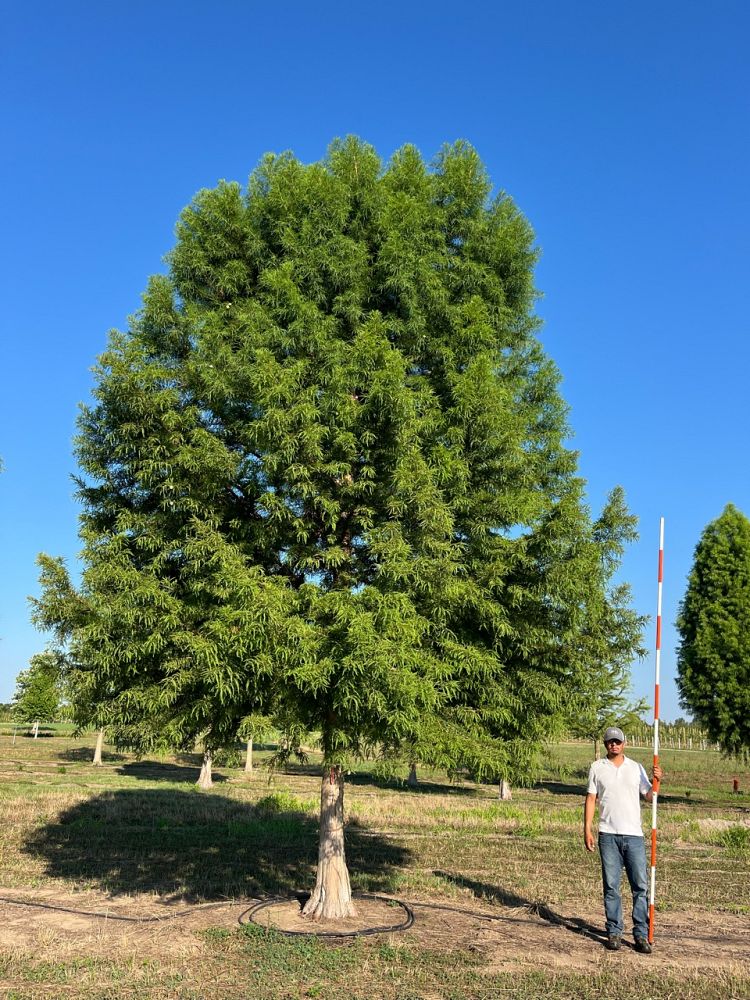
x=588, y=819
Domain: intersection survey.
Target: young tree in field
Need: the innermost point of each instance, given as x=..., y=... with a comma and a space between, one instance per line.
x=254, y=729
x=85, y=691
x=324, y=478
x=37, y=695
x=607, y=702
x=611, y=636
x=713, y=658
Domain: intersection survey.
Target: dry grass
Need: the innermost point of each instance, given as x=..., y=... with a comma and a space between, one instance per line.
x=506, y=888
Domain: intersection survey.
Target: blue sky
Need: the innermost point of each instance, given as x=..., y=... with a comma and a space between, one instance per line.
x=621, y=130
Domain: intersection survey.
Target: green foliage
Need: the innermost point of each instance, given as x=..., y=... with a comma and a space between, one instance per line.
x=713, y=666
x=736, y=838
x=324, y=480
x=611, y=635
x=257, y=728
x=283, y=802
x=227, y=757
x=37, y=695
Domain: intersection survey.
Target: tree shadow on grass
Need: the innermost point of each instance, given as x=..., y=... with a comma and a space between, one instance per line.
x=85, y=755
x=425, y=786
x=364, y=779
x=689, y=798
x=495, y=893
x=672, y=798
x=562, y=788
x=195, y=845
x=152, y=770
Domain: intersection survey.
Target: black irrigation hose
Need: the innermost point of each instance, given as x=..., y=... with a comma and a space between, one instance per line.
x=115, y=916
x=248, y=917
x=245, y=917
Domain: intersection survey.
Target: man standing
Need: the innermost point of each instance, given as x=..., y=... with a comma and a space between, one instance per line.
x=618, y=783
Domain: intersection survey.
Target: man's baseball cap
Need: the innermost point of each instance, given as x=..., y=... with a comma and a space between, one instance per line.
x=613, y=733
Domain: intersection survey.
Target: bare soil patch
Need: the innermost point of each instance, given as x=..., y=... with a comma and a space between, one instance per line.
x=102, y=926
x=508, y=938
x=384, y=915
x=684, y=941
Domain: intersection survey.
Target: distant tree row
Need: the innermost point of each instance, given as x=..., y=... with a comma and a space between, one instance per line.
x=678, y=735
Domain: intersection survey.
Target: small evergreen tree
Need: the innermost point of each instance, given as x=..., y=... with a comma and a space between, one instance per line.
x=37, y=695
x=713, y=663
x=611, y=636
x=325, y=480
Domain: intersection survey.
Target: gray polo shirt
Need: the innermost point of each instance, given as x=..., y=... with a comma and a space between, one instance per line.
x=618, y=791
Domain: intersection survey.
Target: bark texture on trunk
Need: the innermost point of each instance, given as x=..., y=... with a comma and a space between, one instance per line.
x=503, y=791
x=412, y=781
x=205, y=780
x=97, y=761
x=249, y=757
x=332, y=896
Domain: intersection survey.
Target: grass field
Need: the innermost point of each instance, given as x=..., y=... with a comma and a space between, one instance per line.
x=507, y=903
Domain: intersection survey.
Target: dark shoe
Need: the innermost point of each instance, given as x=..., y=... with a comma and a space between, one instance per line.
x=642, y=946
x=613, y=942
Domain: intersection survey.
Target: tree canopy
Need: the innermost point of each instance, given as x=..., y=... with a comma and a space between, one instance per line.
x=713, y=664
x=325, y=476
x=37, y=696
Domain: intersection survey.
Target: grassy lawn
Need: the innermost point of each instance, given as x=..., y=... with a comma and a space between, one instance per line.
x=491, y=882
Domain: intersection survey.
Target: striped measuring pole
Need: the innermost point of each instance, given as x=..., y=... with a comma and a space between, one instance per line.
x=655, y=800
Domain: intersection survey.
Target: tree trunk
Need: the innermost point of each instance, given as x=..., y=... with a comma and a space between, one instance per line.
x=503, y=791
x=97, y=761
x=596, y=749
x=204, y=779
x=35, y=729
x=332, y=896
x=412, y=781
x=249, y=757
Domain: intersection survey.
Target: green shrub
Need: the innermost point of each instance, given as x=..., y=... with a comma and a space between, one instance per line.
x=736, y=838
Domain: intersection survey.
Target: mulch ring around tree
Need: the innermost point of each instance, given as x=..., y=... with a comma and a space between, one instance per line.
x=374, y=915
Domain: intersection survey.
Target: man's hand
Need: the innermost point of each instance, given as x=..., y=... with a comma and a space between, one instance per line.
x=657, y=773
x=588, y=839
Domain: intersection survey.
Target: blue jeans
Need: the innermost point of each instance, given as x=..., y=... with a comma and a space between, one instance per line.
x=618, y=851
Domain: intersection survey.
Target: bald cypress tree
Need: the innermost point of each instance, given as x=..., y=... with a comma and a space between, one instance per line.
x=324, y=476
x=713, y=662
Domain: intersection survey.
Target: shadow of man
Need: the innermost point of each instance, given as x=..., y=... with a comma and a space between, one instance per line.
x=483, y=890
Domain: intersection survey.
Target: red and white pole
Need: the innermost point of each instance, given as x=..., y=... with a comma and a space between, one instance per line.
x=655, y=800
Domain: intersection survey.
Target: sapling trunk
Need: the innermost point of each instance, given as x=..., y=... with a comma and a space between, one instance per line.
x=331, y=898
x=97, y=761
x=412, y=781
x=503, y=791
x=249, y=757
x=204, y=779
